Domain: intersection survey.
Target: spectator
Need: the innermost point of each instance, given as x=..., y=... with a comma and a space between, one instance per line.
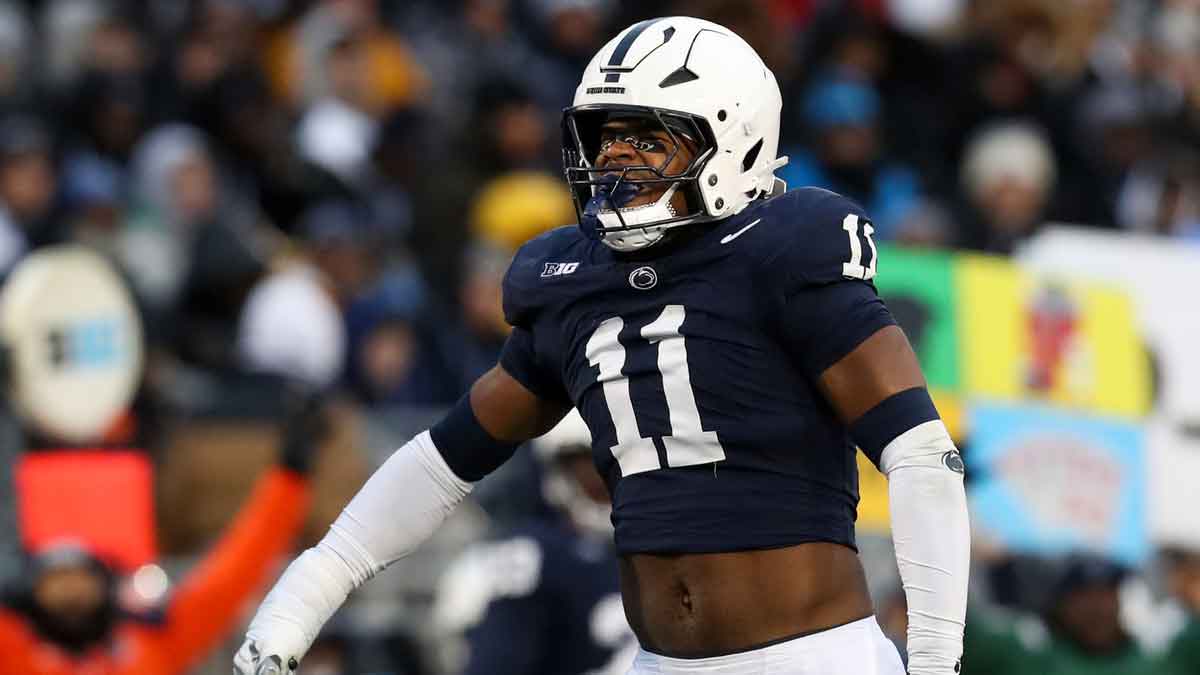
x=396, y=173
x=518, y=206
x=297, y=56
x=252, y=138
x=566, y=34
x=1080, y=629
x=115, y=113
x=67, y=26
x=1007, y=176
x=28, y=184
x=362, y=72
x=513, y=131
x=509, y=211
x=113, y=118
x=117, y=46
x=290, y=324
x=15, y=38
x=1084, y=618
x=338, y=130
x=483, y=329
x=987, y=83
x=507, y=133
x=93, y=201
x=1164, y=198
x=930, y=19
x=340, y=240
x=842, y=116
x=68, y=618
x=1118, y=152
x=192, y=247
x=384, y=349
x=173, y=184
x=1183, y=580
x=398, y=355
x=452, y=49
x=1172, y=43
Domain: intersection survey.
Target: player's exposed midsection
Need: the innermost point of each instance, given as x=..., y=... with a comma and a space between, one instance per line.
x=700, y=605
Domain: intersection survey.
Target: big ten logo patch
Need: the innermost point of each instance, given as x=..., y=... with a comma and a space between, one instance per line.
x=558, y=269
x=91, y=343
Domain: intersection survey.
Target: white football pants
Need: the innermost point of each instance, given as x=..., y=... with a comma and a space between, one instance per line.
x=858, y=648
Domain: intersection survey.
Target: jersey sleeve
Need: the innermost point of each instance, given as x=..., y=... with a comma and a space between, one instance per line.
x=824, y=267
x=520, y=359
x=524, y=299
x=821, y=238
x=822, y=324
x=523, y=294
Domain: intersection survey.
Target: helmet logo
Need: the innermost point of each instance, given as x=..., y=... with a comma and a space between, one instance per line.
x=643, y=278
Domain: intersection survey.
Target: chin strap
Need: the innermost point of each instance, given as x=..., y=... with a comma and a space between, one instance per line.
x=657, y=210
x=602, y=223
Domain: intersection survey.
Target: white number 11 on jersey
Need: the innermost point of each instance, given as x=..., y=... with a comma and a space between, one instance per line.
x=688, y=443
x=855, y=269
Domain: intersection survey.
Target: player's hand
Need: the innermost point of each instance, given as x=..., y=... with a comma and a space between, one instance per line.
x=306, y=425
x=257, y=658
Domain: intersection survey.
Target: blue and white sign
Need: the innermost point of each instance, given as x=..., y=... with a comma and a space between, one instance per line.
x=1048, y=481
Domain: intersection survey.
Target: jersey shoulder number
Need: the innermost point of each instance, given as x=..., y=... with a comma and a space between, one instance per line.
x=817, y=237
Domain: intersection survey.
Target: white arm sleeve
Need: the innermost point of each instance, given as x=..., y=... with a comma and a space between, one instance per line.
x=932, y=537
x=398, y=508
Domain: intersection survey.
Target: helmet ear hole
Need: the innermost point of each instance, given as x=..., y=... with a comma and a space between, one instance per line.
x=751, y=156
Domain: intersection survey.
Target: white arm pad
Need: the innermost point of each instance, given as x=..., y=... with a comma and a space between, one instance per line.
x=932, y=537
x=399, y=507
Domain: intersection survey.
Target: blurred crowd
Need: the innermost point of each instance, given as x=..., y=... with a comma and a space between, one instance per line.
x=333, y=188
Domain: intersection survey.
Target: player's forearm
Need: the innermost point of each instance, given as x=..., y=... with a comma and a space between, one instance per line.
x=398, y=508
x=931, y=533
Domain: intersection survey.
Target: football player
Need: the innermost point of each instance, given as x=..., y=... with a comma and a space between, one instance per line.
x=544, y=597
x=724, y=343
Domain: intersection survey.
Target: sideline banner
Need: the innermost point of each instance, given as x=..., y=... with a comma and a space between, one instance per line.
x=985, y=329
x=1161, y=275
x=1074, y=345
x=1048, y=481
x=918, y=287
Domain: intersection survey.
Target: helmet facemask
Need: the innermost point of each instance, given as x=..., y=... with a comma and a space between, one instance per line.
x=602, y=194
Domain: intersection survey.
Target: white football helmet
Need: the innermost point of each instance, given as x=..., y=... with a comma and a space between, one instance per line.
x=696, y=79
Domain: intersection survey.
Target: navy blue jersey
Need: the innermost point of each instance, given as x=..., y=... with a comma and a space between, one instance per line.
x=696, y=371
x=543, y=599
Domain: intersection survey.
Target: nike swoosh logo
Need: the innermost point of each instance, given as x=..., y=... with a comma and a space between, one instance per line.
x=730, y=237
